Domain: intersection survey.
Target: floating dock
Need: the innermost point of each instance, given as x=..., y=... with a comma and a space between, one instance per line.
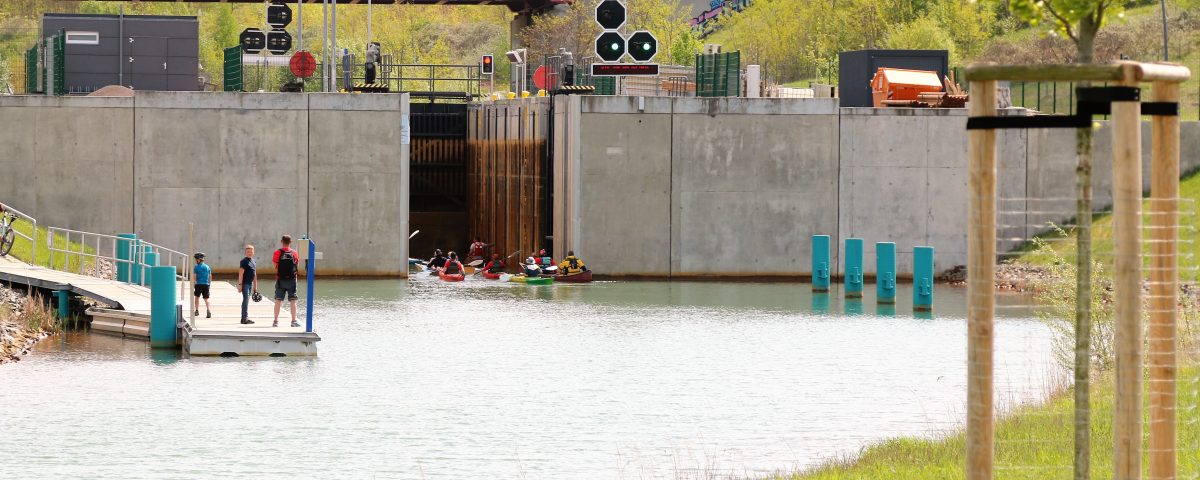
x=127, y=313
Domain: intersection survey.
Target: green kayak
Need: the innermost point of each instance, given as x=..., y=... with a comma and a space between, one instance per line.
x=531, y=280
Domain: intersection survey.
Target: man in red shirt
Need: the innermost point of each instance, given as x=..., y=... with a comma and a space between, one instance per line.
x=286, y=267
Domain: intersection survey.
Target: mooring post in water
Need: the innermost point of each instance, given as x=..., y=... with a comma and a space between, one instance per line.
x=820, y=263
x=150, y=259
x=136, y=261
x=853, y=274
x=64, y=303
x=310, y=268
x=124, y=253
x=923, y=278
x=162, y=307
x=885, y=272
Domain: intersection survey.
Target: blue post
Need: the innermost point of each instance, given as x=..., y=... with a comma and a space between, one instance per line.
x=150, y=259
x=64, y=303
x=125, y=242
x=310, y=268
x=885, y=272
x=854, y=268
x=820, y=263
x=923, y=278
x=138, y=267
x=162, y=307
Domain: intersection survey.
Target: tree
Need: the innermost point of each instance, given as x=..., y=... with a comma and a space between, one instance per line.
x=1080, y=21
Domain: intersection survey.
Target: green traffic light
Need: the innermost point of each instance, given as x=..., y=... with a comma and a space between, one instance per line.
x=646, y=47
x=615, y=47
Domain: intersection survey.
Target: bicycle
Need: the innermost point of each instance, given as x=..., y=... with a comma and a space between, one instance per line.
x=8, y=235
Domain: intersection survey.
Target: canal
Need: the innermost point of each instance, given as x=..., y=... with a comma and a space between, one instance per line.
x=425, y=380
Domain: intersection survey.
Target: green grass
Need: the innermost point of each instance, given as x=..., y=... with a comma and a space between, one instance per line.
x=1102, y=245
x=23, y=249
x=1032, y=442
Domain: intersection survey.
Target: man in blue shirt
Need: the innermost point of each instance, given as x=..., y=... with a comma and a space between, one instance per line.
x=202, y=279
x=247, y=282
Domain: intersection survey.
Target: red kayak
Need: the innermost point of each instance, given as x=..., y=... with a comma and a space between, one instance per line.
x=491, y=276
x=581, y=277
x=451, y=277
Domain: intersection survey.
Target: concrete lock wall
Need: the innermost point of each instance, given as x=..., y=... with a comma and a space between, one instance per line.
x=737, y=187
x=242, y=168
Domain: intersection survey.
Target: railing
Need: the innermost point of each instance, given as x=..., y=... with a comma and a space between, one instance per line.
x=105, y=248
x=32, y=240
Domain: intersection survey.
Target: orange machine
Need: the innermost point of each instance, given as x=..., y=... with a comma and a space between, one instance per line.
x=899, y=85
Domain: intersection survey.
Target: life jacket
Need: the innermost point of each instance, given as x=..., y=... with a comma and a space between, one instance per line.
x=494, y=266
x=573, y=265
x=438, y=262
x=477, y=249
x=544, y=261
x=453, y=267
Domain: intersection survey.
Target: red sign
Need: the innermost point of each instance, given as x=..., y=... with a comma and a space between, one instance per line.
x=303, y=64
x=612, y=69
x=539, y=77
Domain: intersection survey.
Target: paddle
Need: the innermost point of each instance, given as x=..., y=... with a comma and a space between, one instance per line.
x=415, y=232
x=475, y=263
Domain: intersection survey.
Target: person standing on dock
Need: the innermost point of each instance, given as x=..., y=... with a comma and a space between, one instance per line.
x=203, y=275
x=247, y=282
x=286, y=269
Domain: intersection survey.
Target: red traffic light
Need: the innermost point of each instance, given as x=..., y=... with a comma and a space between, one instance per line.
x=485, y=66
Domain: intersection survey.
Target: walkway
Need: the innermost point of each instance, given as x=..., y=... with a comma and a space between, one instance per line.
x=129, y=313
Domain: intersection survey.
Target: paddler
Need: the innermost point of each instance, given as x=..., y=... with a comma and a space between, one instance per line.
x=496, y=265
x=531, y=268
x=571, y=265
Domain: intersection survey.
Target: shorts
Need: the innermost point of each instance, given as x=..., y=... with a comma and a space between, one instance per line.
x=282, y=287
x=201, y=291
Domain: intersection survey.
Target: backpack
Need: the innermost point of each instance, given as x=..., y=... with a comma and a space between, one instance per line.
x=287, y=264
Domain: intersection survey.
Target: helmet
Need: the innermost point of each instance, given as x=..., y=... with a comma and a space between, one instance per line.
x=530, y=261
x=199, y=256
x=257, y=297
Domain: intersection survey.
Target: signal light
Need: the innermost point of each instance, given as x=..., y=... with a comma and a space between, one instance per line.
x=610, y=46
x=642, y=46
x=485, y=66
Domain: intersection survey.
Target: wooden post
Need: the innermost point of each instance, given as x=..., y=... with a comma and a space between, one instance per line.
x=981, y=261
x=1127, y=286
x=1164, y=235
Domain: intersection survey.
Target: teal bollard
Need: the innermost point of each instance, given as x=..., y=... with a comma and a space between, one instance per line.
x=820, y=263
x=125, y=242
x=137, y=268
x=854, y=268
x=64, y=303
x=150, y=259
x=885, y=272
x=923, y=278
x=162, y=307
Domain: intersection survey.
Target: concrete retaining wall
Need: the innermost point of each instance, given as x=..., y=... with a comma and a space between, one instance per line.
x=242, y=168
x=736, y=187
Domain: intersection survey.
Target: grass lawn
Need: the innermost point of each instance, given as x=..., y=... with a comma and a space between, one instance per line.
x=1102, y=246
x=23, y=249
x=1034, y=442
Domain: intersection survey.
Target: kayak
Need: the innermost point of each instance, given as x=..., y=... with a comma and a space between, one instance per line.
x=451, y=277
x=531, y=280
x=491, y=276
x=581, y=277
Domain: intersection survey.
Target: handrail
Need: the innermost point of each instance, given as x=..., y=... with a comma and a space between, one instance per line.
x=108, y=243
x=33, y=239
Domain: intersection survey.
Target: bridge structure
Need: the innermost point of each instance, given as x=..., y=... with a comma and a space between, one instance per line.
x=81, y=264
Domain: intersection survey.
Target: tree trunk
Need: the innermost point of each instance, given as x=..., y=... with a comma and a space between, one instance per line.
x=1088, y=27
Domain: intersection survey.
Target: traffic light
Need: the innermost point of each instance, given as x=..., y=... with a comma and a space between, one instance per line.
x=642, y=46
x=485, y=66
x=610, y=14
x=610, y=46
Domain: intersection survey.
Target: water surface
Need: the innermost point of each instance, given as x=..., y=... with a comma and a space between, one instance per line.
x=426, y=380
